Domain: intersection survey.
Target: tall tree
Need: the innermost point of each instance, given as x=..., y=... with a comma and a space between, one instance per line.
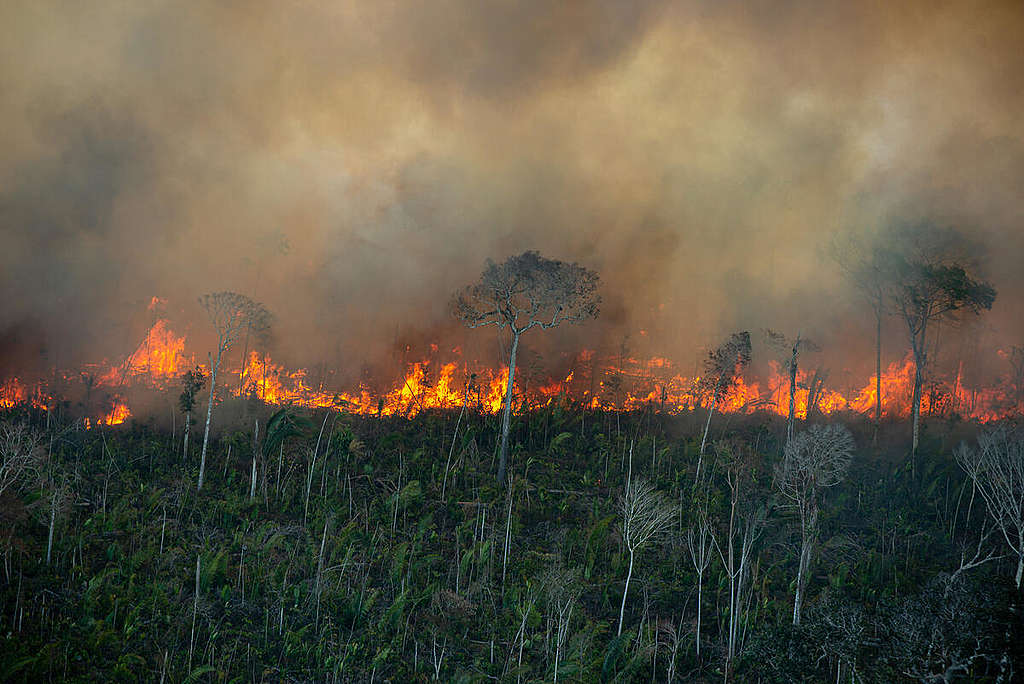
x=814, y=460
x=929, y=285
x=231, y=314
x=722, y=369
x=866, y=266
x=526, y=291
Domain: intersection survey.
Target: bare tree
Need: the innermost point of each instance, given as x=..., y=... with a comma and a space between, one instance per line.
x=722, y=368
x=930, y=284
x=997, y=469
x=793, y=348
x=699, y=543
x=524, y=292
x=231, y=314
x=19, y=454
x=866, y=267
x=646, y=514
x=814, y=459
x=735, y=543
x=562, y=588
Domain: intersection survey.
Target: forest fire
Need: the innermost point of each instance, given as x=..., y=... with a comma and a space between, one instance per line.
x=615, y=384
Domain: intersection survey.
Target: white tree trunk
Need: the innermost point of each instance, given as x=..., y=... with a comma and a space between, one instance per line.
x=704, y=439
x=506, y=418
x=209, y=415
x=188, y=423
x=625, y=590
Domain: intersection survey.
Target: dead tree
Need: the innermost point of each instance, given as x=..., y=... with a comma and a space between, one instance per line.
x=793, y=349
x=699, y=543
x=526, y=291
x=997, y=469
x=867, y=268
x=19, y=454
x=814, y=460
x=722, y=368
x=646, y=514
x=737, y=539
x=231, y=314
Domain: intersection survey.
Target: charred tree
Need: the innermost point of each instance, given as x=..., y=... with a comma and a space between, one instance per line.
x=526, y=291
x=792, y=349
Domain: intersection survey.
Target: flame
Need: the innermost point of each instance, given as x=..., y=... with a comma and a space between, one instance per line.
x=159, y=358
x=618, y=384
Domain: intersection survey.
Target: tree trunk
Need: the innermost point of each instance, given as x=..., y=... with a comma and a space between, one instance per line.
x=804, y=568
x=625, y=590
x=792, y=396
x=507, y=414
x=188, y=422
x=209, y=415
x=704, y=439
x=1020, y=570
x=53, y=523
x=878, y=368
x=916, y=399
x=700, y=587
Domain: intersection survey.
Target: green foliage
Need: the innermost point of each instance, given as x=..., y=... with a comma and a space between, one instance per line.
x=402, y=575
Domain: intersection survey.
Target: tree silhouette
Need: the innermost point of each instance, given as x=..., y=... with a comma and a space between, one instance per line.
x=526, y=291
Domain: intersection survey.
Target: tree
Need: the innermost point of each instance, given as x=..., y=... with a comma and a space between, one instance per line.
x=646, y=514
x=930, y=287
x=19, y=454
x=814, y=460
x=866, y=266
x=793, y=349
x=997, y=469
x=191, y=382
x=723, y=367
x=738, y=537
x=526, y=291
x=231, y=314
x=699, y=543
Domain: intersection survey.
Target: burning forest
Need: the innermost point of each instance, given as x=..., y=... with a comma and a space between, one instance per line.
x=443, y=380
x=597, y=341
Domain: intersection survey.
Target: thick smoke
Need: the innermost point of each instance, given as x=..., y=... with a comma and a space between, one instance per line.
x=351, y=164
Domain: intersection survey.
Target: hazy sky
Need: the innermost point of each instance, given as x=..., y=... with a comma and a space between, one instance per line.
x=352, y=163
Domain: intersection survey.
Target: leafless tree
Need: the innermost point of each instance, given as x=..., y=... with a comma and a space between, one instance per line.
x=814, y=459
x=997, y=470
x=231, y=314
x=526, y=291
x=737, y=539
x=699, y=544
x=865, y=266
x=722, y=368
x=646, y=514
x=19, y=454
x=562, y=588
x=793, y=349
